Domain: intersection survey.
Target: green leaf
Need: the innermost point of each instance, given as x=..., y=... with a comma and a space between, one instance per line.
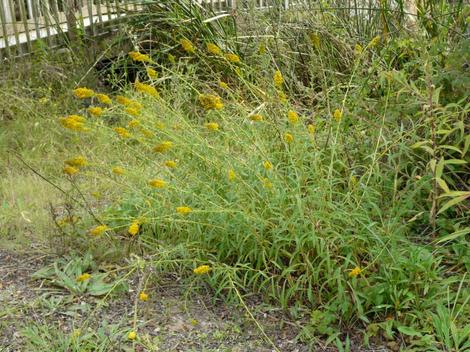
x=440, y=168
x=466, y=145
x=455, y=161
x=452, y=202
x=442, y=184
x=454, y=235
x=409, y=331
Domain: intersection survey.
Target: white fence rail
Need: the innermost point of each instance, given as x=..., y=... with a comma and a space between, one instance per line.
x=22, y=22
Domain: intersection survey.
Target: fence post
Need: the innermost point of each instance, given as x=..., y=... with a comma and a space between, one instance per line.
x=71, y=6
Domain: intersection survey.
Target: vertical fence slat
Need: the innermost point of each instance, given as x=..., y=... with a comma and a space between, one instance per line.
x=89, y=4
x=4, y=31
x=24, y=18
x=100, y=16
x=45, y=15
x=35, y=12
x=13, y=24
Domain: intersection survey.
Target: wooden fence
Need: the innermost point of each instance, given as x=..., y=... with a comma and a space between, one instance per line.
x=22, y=22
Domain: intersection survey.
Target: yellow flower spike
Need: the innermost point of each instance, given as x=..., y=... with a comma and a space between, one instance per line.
x=146, y=89
x=267, y=165
x=143, y=296
x=171, y=164
x=278, y=79
x=233, y=58
x=133, y=123
x=163, y=147
x=78, y=161
x=231, y=175
x=374, y=42
x=223, y=85
x=358, y=49
x=151, y=73
x=122, y=132
x=99, y=230
x=213, y=126
x=83, y=277
x=355, y=272
x=202, y=269
x=211, y=102
x=132, y=111
x=183, y=210
x=134, y=228
x=213, y=49
x=83, y=92
x=311, y=128
x=95, y=111
x=73, y=122
x=256, y=117
x=136, y=56
x=132, y=335
x=104, y=99
x=118, y=170
x=288, y=138
x=338, y=115
x=267, y=183
x=157, y=183
x=123, y=100
x=187, y=46
x=70, y=170
x=292, y=116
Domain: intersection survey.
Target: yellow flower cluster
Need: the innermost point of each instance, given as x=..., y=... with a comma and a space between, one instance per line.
x=183, y=210
x=144, y=297
x=213, y=126
x=355, y=272
x=292, y=116
x=278, y=79
x=122, y=132
x=233, y=58
x=99, y=230
x=70, y=170
x=337, y=115
x=171, y=164
x=288, y=138
x=83, y=277
x=95, y=111
x=136, y=56
x=147, y=89
x=163, y=147
x=231, y=175
x=213, y=49
x=134, y=228
x=118, y=170
x=157, y=183
x=202, y=269
x=187, y=46
x=151, y=73
x=74, y=122
x=104, y=99
x=256, y=117
x=77, y=162
x=223, y=85
x=83, y=92
x=267, y=165
x=211, y=102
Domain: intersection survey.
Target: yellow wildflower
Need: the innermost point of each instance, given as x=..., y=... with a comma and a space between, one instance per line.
x=133, y=123
x=134, y=228
x=151, y=73
x=267, y=165
x=211, y=102
x=183, y=210
x=278, y=79
x=358, y=49
x=143, y=296
x=374, y=41
x=231, y=175
x=288, y=137
x=267, y=183
x=213, y=49
x=122, y=132
x=311, y=128
x=146, y=88
x=202, y=269
x=135, y=105
x=223, y=85
x=292, y=116
x=132, y=335
x=95, y=111
x=123, y=100
x=136, y=56
x=70, y=170
x=132, y=111
x=234, y=58
x=157, y=183
x=146, y=132
x=104, y=99
x=256, y=117
x=315, y=39
x=83, y=277
x=73, y=122
x=213, y=126
x=83, y=92
x=187, y=46
x=163, y=147
x=118, y=170
x=355, y=272
x=171, y=164
x=99, y=230
x=78, y=161
x=337, y=114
